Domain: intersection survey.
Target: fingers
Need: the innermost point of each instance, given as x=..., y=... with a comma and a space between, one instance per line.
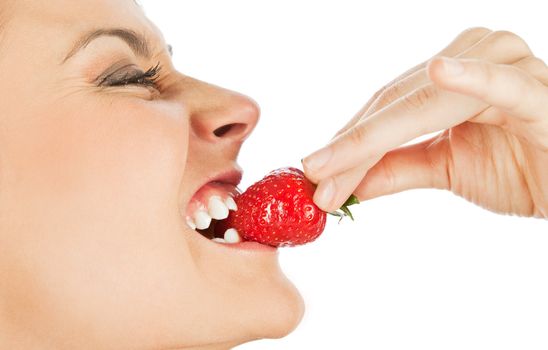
x=495, y=116
x=422, y=165
x=333, y=192
x=464, y=41
x=503, y=86
x=402, y=111
x=498, y=47
x=423, y=111
x=464, y=44
x=534, y=66
x=427, y=110
x=416, y=76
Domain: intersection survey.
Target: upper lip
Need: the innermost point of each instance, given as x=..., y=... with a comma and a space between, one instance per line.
x=231, y=176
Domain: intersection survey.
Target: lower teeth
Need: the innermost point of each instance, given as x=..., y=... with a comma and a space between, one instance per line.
x=231, y=236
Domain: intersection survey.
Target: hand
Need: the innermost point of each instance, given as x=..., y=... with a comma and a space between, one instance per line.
x=487, y=94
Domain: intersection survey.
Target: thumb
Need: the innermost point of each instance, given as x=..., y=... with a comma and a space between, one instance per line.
x=422, y=165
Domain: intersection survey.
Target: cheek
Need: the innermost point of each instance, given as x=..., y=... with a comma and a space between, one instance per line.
x=132, y=154
x=98, y=190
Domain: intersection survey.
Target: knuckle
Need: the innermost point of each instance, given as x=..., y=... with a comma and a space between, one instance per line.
x=486, y=78
x=389, y=174
x=475, y=32
x=418, y=99
x=533, y=65
x=537, y=62
x=389, y=95
x=357, y=136
x=380, y=92
x=521, y=86
x=504, y=36
x=487, y=75
x=465, y=40
x=509, y=40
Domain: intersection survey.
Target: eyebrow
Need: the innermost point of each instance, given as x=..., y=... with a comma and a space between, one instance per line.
x=138, y=43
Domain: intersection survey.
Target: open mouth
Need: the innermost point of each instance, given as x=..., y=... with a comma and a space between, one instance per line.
x=212, y=204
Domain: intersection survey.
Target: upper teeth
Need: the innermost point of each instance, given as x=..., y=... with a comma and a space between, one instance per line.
x=231, y=204
x=202, y=219
x=217, y=209
x=190, y=222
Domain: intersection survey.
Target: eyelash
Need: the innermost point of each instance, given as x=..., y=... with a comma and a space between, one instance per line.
x=137, y=77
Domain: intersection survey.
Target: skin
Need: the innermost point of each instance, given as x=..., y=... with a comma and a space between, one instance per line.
x=486, y=95
x=94, y=249
x=94, y=252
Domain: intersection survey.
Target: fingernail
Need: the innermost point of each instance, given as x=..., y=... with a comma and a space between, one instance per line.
x=318, y=159
x=325, y=193
x=452, y=66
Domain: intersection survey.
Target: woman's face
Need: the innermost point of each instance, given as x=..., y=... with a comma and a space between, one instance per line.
x=96, y=178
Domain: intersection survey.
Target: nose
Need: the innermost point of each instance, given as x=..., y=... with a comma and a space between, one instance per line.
x=223, y=115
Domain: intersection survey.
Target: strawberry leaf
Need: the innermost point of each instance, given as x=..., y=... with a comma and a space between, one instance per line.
x=352, y=200
x=347, y=212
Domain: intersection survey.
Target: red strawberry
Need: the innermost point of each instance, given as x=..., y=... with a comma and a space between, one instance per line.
x=279, y=211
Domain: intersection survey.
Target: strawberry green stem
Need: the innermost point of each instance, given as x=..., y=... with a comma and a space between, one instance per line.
x=344, y=211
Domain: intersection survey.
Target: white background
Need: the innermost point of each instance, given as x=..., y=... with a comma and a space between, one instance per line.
x=418, y=270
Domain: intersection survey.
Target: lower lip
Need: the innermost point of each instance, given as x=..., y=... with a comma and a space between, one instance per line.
x=248, y=245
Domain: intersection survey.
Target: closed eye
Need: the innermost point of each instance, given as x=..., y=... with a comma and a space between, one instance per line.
x=131, y=75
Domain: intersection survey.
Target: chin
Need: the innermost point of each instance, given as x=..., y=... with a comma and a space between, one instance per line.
x=276, y=316
x=258, y=300
x=286, y=314
x=261, y=299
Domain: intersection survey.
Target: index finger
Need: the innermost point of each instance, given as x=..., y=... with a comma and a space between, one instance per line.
x=426, y=110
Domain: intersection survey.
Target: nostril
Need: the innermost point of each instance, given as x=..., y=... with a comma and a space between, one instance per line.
x=230, y=129
x=223, y=130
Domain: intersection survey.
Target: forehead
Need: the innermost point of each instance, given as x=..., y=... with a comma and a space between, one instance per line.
x=63, y=10
x=74, y=15
x=52, y=25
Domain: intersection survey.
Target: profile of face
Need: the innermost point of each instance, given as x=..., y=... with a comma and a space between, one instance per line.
x=105, y=149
